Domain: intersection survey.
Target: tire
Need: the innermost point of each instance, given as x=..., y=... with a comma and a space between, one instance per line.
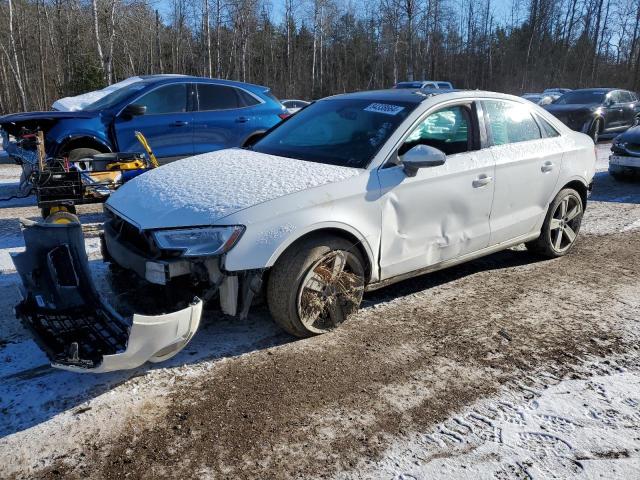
x=636, y=121
x=302, y=285
x=62, y=218
x=561, y=226
x=594, y=130
x=78, y=154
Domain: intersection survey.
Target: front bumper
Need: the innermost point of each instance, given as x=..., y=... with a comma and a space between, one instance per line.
x=157, y=271
x=73, y=324
x=624, y=165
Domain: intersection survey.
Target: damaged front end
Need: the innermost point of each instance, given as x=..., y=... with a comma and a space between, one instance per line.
x=73, y=324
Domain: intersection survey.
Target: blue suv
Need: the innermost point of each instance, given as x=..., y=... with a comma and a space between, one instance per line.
x=179, y=116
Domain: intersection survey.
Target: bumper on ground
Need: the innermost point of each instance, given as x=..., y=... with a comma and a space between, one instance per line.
x=70, y=320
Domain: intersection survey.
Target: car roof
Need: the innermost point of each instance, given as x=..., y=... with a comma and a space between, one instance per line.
x=171, y=78
x=598, y=89
x=409, y=95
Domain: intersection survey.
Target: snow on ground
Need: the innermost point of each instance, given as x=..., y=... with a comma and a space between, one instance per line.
x=587, y=425
x=584, y=427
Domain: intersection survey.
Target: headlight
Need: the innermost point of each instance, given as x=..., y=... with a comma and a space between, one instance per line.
x=199, y=242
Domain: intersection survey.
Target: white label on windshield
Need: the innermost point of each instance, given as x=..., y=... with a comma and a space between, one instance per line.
x=384, y=108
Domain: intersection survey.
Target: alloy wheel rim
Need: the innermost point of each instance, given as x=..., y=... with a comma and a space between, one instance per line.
x=330, y=291
x=565, y=223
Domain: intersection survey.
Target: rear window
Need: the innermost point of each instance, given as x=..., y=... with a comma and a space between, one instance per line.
x=444, y=85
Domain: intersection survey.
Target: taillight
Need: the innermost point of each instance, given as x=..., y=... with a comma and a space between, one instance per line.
x=284, y=115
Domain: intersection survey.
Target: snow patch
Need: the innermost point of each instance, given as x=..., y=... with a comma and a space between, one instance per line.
x=72, y=104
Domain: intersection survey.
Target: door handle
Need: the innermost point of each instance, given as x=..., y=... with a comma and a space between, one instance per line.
x=242, y=120
x=482, y=181
x=546, y=167
x=180, y=123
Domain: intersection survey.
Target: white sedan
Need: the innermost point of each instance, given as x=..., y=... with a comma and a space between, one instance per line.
x=353, y=193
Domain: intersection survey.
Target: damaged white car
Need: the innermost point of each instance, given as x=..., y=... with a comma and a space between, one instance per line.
x=353, y=193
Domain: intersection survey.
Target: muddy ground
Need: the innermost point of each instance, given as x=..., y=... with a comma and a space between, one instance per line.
x=333, y=406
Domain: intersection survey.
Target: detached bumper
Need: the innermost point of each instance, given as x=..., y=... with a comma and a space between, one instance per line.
x=73, y=324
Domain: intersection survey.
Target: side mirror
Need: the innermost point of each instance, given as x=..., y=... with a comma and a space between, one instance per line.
x=134, y=110
x=421, y=156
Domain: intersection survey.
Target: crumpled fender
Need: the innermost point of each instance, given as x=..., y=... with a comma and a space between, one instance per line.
x=72, y=322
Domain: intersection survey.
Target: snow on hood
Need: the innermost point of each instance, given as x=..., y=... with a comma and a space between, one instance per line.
x=72, y=104
x=202, y=189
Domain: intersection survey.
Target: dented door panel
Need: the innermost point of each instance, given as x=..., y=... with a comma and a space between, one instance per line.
x=440, y=214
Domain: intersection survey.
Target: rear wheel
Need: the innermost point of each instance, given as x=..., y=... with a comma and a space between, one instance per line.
x=316, y=285
x=561, y=225
x=77, y=155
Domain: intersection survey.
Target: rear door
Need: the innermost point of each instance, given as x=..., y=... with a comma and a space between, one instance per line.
x=629, y=110
x=528, y=158
x=224, y=117
x=167, y=123
x=442, y=212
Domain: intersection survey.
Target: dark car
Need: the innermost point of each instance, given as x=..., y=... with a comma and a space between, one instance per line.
x=425, y=84
x=625, y=154
x=179, y=116
x=597, y=111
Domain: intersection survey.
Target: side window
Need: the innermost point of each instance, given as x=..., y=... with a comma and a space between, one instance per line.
x=625, y=97
x=167, y=99
x=217, y=97
x=448, y=130
x=548, y=130
x=510, y=122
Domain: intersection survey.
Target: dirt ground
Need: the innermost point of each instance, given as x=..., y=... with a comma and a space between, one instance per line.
x=376, y=398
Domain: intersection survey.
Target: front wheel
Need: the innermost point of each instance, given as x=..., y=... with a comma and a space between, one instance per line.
x=561, y=225
x=316, y=285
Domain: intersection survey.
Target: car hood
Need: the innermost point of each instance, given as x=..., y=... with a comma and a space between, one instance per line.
x=53, y=115
x=553, y=108
x=203, y=189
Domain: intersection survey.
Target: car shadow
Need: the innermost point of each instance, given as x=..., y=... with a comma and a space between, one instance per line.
x=511, y=258
x=608, y=189
x=32, y=392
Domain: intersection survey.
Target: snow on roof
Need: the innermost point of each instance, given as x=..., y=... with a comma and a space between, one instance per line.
x=201, y=189
x=72, y=104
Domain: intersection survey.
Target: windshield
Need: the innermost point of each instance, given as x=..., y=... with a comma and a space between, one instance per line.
x=409, y=85
x=581, y=98
x=344, y=132
x=115, y=97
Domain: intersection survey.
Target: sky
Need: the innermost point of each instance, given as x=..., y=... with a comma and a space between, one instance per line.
x=501, y=8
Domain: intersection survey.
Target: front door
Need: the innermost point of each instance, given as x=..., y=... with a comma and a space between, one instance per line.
x=528, y=162
x=167, y=123
x=442, y=212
